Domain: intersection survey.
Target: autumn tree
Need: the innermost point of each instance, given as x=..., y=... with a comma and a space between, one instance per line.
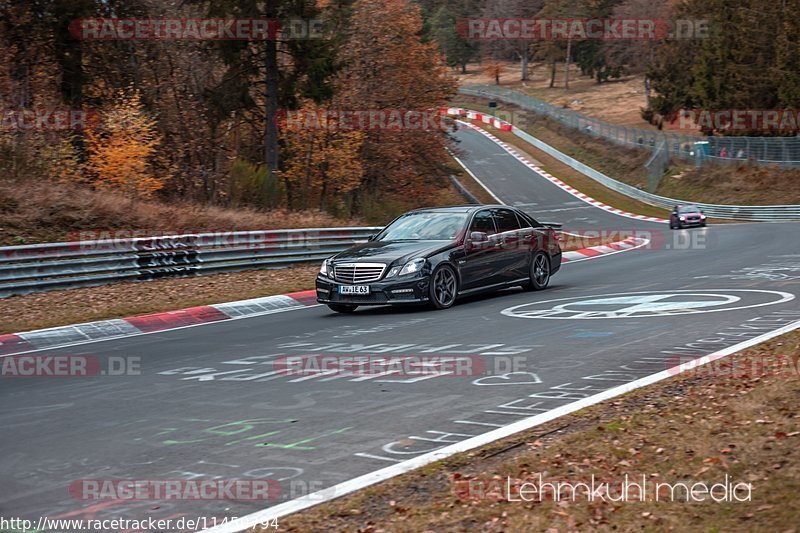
x=270, y=74
x=387, y=66
x=122, y=149
x=323, y=160
x=494, y=70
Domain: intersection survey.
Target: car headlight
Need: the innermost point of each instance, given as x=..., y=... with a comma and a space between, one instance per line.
x=412, y=267
x=324, y=269
x=392, y=272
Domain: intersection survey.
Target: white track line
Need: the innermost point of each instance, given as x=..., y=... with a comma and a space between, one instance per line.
x=487, y=189
x=389, y=472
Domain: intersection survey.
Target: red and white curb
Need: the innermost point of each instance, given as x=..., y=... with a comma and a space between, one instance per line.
x=506, y=126
x=631, y=243
x=16, y=343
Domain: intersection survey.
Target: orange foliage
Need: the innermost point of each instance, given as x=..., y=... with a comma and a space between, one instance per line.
x=495, y=70
x=388, y=67
x=322, y=161
x=121, y=151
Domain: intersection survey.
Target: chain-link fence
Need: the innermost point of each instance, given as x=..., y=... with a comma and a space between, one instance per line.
x=784, y=151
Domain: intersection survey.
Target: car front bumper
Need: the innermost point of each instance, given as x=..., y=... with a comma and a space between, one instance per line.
x=689, y=223
x=396, y=291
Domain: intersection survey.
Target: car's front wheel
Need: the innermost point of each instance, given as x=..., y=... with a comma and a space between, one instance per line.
x=343, y=308
x=443, y=287
x=540, y=272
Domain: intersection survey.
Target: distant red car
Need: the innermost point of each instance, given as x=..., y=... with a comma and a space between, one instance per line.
x=687, y=216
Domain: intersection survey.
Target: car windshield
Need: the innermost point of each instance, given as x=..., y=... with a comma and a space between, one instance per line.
x=688, y=209
x=425, y=226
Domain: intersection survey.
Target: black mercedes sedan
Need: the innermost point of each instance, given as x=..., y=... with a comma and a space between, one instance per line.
x=438, y=254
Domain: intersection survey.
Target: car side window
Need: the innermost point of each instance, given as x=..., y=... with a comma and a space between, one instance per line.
x=483, y=222
x=506, y=220
x=526, y=222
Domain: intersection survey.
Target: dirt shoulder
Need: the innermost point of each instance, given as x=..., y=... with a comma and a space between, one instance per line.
x=736, y=425
x=59, y=308
x=36, y=212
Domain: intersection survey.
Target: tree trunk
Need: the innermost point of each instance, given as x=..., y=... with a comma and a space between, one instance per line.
x=553, y=74
x=20, y=74
x=271, y=97
x=307, y=183
x=524, y=60
x=566, y=64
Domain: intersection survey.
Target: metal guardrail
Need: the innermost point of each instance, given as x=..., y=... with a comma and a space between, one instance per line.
x=762, y=213
x=765, y=213
x=783, y=151
x=468, y=196
x=42, y=267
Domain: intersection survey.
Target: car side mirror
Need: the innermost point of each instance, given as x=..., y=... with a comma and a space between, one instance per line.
x=477, y=237
x=372, y=237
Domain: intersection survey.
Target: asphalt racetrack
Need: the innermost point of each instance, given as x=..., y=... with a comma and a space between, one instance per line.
x=206, y=403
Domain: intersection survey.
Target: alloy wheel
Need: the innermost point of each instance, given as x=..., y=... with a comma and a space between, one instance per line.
x=540, y=272
x=444, y=287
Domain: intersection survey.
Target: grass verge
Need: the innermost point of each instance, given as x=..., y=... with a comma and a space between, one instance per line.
x=698, y=427
x=58, y=308
x=36, y=212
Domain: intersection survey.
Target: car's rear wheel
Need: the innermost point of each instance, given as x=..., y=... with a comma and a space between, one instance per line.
x=443, y=287
x=343, y=308
x=540, y=272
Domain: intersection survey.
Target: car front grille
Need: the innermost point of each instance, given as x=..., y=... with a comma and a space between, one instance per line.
x=356, y=273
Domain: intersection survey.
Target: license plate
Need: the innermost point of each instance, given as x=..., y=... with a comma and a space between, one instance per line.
x=360, y=290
